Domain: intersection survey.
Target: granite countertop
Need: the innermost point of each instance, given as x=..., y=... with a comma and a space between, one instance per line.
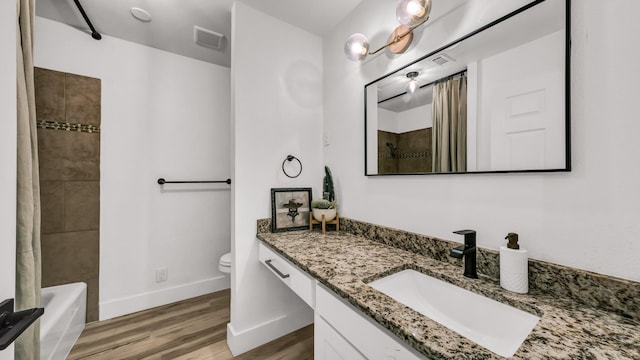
x=346, y=263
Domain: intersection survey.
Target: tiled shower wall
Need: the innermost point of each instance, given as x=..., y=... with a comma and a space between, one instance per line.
x=68, y=114
x=415, y=151
x=413, y=155
x=387, y=159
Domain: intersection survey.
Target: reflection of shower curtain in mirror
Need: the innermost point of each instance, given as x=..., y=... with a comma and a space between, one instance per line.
x=450, y=125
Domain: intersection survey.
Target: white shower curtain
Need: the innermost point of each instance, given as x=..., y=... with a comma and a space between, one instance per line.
x=28, y=272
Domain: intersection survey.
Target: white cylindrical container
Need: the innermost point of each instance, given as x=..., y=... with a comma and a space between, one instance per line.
x=514, y=271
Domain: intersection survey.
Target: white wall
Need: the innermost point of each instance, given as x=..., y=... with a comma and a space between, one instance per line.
x=415, y=119
x=277, y=110
x=387, y=120
x=587, y=218
x=408, y=120
x=163, y=115
x=7, y=155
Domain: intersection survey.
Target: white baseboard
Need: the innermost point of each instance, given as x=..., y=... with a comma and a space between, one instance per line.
x=241, y=342
x=127, y=305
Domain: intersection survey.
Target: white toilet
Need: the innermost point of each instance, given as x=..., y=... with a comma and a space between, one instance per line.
x=225, y=263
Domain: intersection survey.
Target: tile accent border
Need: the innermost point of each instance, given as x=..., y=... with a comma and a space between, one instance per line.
x=609, y=293
x=409, y=155
x=57, y=125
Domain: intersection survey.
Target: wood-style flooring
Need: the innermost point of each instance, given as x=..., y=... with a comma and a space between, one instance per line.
x=193, y=329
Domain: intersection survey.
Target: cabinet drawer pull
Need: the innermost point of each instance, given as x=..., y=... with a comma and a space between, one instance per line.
x=268, y=263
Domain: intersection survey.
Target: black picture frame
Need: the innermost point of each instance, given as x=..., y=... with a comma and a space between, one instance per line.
x=290, y=209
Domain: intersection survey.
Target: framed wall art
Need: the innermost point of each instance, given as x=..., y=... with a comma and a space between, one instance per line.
x=290, y=209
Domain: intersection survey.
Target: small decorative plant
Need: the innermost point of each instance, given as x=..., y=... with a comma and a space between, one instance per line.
x=323, y=204
x=328, y=193
x=325, y=207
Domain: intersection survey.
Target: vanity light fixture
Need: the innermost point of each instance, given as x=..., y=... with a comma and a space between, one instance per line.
x=413, y=83
x=410, y=14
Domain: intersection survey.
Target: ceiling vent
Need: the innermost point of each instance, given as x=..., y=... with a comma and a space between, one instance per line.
x=442, y=59
x=207, y=38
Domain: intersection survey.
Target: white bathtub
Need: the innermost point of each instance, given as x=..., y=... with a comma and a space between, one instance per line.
x=65, y=308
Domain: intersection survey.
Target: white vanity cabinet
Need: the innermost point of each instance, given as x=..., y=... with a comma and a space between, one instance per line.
x=340, y=330
x=365, y=335
x=328, y=344
x=297, y=280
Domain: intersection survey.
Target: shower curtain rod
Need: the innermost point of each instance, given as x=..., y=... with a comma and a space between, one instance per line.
x=94, y=34
x=162, y=181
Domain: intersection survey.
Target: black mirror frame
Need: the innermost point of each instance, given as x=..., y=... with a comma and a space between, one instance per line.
x=567, y=74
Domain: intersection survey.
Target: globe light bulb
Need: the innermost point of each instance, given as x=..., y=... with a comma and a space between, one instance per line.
x=413, y=12
x=414, y=8
x=356, y=47
x=412, y=86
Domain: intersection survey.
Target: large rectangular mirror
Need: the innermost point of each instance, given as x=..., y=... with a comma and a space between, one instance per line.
x=495, y=100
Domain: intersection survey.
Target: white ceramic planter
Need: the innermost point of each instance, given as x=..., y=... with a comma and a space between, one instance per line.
x=329, y=214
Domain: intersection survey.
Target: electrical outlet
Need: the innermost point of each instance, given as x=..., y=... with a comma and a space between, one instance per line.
x=162, y=274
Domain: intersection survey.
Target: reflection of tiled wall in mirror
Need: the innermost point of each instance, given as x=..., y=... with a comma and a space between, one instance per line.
x=387, y=161
x=406, y=153
x=414, y=151
x=68, y=117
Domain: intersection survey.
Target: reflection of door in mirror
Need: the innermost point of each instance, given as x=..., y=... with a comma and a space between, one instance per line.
x=524, y=116
x=404, y=133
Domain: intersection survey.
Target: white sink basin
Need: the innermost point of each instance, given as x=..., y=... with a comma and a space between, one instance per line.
x=496, y=326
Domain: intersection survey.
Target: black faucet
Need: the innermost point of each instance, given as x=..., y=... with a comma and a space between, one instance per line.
x=468, y=251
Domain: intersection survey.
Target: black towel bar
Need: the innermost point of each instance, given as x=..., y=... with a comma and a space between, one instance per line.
x=162, y=181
